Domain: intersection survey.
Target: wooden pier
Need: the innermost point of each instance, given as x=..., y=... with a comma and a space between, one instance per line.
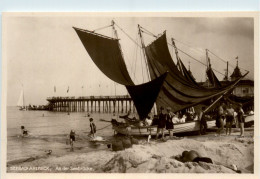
x=105, y=104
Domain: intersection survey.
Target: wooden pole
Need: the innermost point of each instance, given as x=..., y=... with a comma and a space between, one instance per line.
x=224, y=94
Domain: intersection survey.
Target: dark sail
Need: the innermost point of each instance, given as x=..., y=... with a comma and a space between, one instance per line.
x=106, y=54
x=177, y=92
x=212, y=78
x=144, y=95
x=187, y=75
x=158, y=52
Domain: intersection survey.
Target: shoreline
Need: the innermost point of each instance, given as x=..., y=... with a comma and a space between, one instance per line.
x=154, y=157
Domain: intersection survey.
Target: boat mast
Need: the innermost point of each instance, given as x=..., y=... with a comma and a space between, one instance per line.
x=207, y=58
x=208, y=63
x=145, y=59
x=143, y=49
x=227, y=72
x=177, y=56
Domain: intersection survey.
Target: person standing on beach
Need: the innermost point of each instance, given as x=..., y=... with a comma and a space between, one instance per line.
x=72, y=137
x=203, y=121
x=161, y=123
x=169, y=122
x=241, y=119
x=229, y=118
x=220, y=119
x=92, y=127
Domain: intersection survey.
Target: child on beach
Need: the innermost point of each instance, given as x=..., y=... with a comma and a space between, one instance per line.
x=92, y=127
x=72, y=138
x=24, y=131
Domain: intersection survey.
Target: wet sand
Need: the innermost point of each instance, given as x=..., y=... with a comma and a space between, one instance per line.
x=154, y=157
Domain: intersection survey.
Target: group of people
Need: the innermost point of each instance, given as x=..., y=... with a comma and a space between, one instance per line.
x=165, y=121
x=227, y=112
x=72, y=135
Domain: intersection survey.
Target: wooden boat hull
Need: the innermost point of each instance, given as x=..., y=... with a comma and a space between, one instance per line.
x=249, y=118
x=151, y=130
x=249, y=121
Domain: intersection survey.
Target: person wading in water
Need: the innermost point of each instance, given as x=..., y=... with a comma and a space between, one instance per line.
x=92, y=127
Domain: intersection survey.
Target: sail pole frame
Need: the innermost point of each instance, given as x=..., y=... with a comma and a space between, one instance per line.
x=146, y=62
x=233, y=86
x=177, y=56
x=143, y=49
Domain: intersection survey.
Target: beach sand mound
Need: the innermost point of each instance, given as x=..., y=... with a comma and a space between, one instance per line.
x=159, y=157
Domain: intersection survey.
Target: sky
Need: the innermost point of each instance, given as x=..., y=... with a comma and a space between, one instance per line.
x=43, y=51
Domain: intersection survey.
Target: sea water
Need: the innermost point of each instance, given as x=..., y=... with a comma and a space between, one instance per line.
x=49, y=131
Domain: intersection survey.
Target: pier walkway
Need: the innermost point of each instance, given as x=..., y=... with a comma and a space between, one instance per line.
x=105, y=104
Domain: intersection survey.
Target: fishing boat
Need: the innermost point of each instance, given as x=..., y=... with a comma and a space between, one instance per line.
x=191, y=126
x=170, y=85
x=20, y=102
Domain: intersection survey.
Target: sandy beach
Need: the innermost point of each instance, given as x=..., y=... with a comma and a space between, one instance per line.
x=153, y=157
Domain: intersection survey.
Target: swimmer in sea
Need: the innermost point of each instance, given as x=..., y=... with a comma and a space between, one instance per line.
x=24, y=131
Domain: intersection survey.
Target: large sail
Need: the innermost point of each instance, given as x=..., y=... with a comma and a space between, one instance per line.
x=106, y=54
x=20, y=102
x=144, y=95
x=177, y=92
x=212, y=78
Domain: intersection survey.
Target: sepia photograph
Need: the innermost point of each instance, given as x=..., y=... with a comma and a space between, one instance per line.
x=129, y=92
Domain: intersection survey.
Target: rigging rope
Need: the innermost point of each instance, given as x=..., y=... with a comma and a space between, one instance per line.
x=128, y=35
x=198, y=60
x=148, y=32
x=200, y=51
x=182, y=52
x=135, y=59
x=103, y=127
x=225, y=61
x=102, y=28
x=142, y=64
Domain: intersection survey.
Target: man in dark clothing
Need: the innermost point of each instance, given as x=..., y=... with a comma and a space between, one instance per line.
x=169, y=123
x=92, y=127
x=161, y=123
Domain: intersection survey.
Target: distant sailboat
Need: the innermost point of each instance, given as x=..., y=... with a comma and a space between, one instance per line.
x=21, y=103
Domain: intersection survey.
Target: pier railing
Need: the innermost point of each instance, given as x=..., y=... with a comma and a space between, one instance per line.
x=122, y=103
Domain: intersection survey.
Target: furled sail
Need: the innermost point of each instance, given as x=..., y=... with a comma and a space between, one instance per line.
x=177, y=92
x=144, y=95
x=106, y=54
x=212, y=78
